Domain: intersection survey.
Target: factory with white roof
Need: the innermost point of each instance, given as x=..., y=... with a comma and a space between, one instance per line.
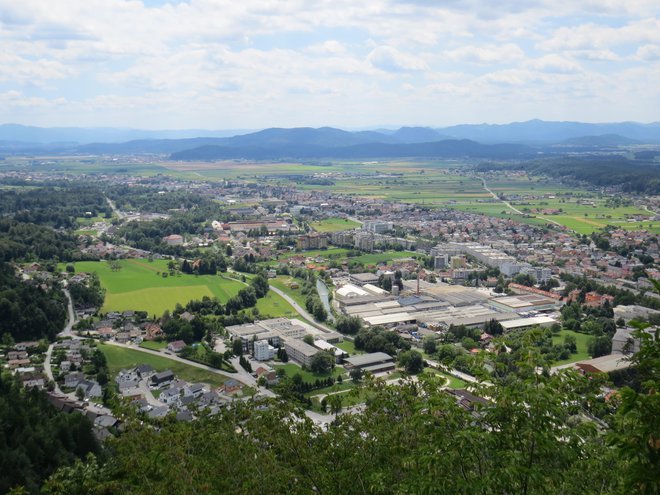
x=440, y=305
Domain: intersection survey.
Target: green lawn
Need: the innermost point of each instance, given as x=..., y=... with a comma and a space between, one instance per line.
x=153, y=345
x=283, y=283
x=451, y=381
x=333, y=225
x=119, y=358
x=308, y=376
x=337, y=387
x=582, y=342
x=139, y=285
x=348, y=346
x=275, y=306
x=372, y=259
x=330, y=253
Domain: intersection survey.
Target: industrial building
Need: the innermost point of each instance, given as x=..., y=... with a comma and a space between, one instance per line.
x=363, y=278
x=375, y=362
x=440, y=306
x=523, y=323
x=273, y=331
x=525, y=303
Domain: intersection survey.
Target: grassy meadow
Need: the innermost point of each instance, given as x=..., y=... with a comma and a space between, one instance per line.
x=334, y=225
x=140, y=285
x=581, y=341
x=119, y=358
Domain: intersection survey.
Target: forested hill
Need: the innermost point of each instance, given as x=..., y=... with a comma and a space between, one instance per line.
x=642, y=176
x=448, y=148
x=27, y=311
x=35, y=439
x=535, y=434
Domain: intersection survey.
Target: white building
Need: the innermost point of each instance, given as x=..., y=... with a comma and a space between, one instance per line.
x=377, y=227
x=263, y=351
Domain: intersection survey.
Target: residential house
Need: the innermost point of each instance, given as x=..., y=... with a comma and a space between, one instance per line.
x=176, y=346
x=193, y=390
x=232, y=386
x=161, y=379
x=170, y=396
x=72, y=379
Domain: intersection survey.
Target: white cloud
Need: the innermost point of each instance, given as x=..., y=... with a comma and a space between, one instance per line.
x=255, y=63
x=554, y=63
x=390, y=59
x=487, y=54
x=648, y=52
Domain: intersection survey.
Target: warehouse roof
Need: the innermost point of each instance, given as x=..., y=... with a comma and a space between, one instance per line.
x=369, y=359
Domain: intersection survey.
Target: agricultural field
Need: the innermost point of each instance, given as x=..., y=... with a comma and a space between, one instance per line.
x=119, y=358
x=140, y=285
x=334, y=225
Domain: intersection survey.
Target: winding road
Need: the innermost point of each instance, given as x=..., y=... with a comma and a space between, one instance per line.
x=513, y=208
x=64, y=333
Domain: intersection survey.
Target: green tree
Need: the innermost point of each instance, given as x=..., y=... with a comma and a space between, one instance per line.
x=322, y=363
x=430, y=344
x=356, y=375
x=237, y=347
x=412, y=361
x=600, y=346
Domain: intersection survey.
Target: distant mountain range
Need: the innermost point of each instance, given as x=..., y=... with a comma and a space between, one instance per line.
x=514, y=140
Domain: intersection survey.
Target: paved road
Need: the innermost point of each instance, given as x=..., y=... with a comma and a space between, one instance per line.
x=64, y=333
x=510, y=206
x=116, y=210
x=72, y=317
x=301, y=311
x=143, y=387
x=450, y=371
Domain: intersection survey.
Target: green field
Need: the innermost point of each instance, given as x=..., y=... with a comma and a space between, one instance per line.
x=154, y=345
x=333, y=225
x=308, y=376
x=582, y=342
x=283, y=283
x=348, y=346
x=275, y=306
x=450, y=381
x=139, y=285
x=330, y=253
x=119, y=358
x=375, y=258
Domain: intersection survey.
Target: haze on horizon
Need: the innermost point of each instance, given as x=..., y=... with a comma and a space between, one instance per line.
x=156, y=64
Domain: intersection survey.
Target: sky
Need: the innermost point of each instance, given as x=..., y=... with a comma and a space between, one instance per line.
x=250, y=64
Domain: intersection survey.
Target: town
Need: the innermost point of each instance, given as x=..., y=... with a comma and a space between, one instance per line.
x=277, y=291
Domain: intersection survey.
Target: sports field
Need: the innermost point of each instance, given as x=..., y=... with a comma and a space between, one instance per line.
x=140, y=285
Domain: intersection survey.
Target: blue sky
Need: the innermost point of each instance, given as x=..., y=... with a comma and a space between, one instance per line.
x=220, y=64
